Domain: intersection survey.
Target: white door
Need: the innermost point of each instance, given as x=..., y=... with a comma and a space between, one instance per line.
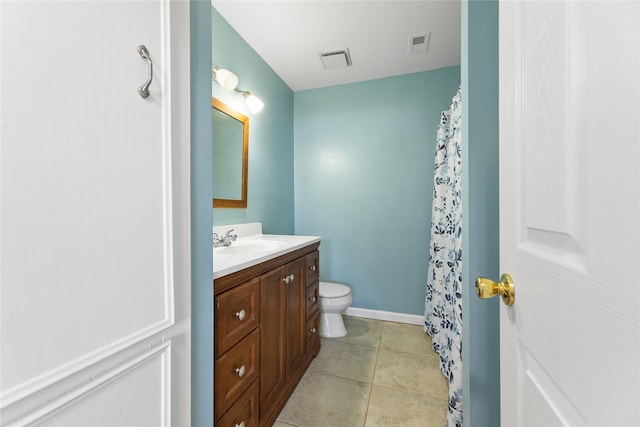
x=570, y=212
x=94, y=307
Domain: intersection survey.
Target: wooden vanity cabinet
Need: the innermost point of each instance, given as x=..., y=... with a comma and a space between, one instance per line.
x=277, y=295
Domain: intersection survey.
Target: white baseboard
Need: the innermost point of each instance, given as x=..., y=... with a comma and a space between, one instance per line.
x=412, y=319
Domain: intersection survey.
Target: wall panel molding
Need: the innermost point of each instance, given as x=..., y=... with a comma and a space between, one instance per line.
x=154, y=363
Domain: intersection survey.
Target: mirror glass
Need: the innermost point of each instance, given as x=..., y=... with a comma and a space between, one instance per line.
x=230, y=156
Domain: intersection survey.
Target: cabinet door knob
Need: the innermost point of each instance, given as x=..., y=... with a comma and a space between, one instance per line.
x=312, y=330
x=241, y=371
x=291, y=277
x=241, y=314
x=312, y=299
x=240, y=424
x=312, y=268
x=286, y=280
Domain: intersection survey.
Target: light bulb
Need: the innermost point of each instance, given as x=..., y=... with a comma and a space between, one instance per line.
x=225, y=78
x=254, y=103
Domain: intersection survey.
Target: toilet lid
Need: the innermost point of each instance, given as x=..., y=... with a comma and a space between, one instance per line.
x=333, y=290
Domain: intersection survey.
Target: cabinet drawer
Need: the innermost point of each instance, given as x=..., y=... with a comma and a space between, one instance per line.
x=312, y=300
x=235, y=371
x=313, y=267
x=237, y=314
x=313, y=333
x=245, y=410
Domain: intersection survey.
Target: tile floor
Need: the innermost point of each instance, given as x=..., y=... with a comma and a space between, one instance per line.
x=380, y=374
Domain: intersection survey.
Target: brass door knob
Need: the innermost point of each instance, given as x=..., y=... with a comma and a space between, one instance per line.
x=487, y=288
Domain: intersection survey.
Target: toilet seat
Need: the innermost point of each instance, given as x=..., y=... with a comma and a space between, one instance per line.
x=333, y=290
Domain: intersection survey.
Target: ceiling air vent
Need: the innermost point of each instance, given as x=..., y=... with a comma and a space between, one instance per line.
x=419, y=43
x=336, y=59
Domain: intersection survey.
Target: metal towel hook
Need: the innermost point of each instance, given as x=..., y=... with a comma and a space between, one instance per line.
x=144, y=53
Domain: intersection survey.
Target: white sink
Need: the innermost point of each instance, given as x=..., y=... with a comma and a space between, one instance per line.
x=248, y=246
x=252, y=247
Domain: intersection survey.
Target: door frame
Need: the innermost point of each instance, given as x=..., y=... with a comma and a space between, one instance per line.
x=202, y=326
x=480, y=216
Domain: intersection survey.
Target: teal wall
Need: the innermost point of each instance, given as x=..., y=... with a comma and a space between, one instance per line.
x=201, y=193
x=364, y=156
x=480, y=332
x=270, y=189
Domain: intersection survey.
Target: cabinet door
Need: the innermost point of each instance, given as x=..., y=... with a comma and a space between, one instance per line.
x=295, y=338
x=272, y=336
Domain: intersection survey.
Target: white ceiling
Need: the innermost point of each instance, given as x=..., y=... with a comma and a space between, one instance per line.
x=289, y=35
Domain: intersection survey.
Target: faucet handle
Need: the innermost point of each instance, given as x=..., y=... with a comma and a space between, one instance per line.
x=216, y=238
x=233, y=237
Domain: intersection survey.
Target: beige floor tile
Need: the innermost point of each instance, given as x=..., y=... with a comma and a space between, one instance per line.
x=409, y=372
x=362, y=331
x=408, y=388
x=346, y=360
x=322, y=400
x=406, y=338
x=388, y=408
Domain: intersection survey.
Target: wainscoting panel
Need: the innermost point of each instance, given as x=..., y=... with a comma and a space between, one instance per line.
x=137, y=393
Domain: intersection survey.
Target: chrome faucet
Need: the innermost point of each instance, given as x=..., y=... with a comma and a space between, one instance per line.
x=224, y=240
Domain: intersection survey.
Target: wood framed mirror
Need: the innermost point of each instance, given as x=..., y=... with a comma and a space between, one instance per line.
x=230, y=156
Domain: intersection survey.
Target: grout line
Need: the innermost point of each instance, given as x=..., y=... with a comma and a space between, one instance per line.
x=375, y=368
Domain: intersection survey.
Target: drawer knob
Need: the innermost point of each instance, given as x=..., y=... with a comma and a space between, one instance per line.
x=241, y=371
x=312, y=299
x=241, y=314
x=312, y=330
x=240, y=424
x=312, y=268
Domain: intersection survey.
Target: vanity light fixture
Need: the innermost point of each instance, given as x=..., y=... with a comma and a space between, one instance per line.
x=229, y=81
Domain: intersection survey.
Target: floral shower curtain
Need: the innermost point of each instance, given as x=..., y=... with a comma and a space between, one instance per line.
x=443, y=301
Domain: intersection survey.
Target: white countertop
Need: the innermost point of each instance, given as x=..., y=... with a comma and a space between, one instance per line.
x=229, y=260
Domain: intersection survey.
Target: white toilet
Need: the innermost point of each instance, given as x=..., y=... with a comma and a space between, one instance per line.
x=334, y=300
